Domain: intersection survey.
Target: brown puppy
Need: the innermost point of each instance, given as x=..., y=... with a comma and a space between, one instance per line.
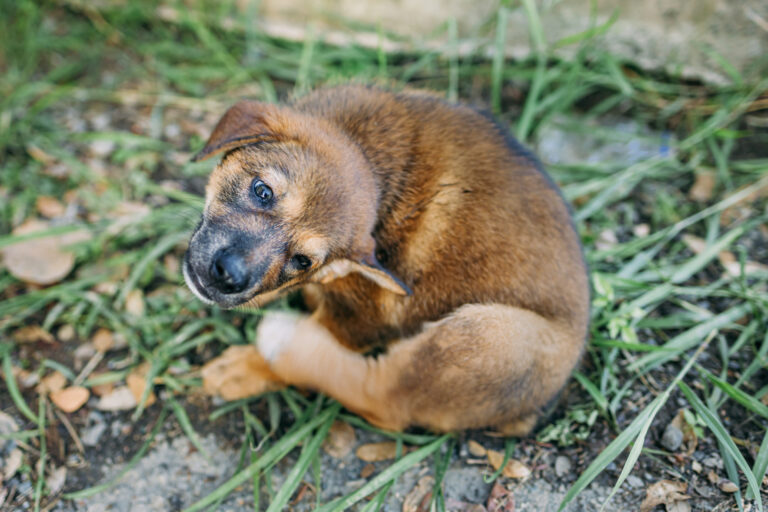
x=413, y=226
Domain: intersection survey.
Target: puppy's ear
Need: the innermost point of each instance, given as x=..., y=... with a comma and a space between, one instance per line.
x=368, y=268
x=244, y=123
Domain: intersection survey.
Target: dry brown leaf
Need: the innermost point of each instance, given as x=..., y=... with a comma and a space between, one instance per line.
x=712, y=477
x=12, y=463
x=641, y=230
x=125, y=214
x=679, y=506
x=66, y=333
x=32, y=334
x=501, y=499
x=476, y=449
x=732, y=265
x=134, y=303
x=696, y=244
x=55, y=481
x=512, y=469
x=120, y=399
x=42, y=260
x=667, y=492
x=374, y=452
x=172, y=264
x=418, y=499
x=743, y=208
x=726, y=485
x=367, y=470
x=102, y=389
x=703, y=186
x=50, y=207
x=137, y=383
x=341, y=438
x=70, y=399
x=103, y=340
x=240, y=371
x=54, y=381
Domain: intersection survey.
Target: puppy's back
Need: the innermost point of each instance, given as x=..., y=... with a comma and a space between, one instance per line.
x=466, y=215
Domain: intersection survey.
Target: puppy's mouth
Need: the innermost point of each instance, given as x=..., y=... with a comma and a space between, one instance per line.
x=193, y=282
x=255, y=297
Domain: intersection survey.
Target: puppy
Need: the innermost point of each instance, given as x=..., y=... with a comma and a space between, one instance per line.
x=416, y=229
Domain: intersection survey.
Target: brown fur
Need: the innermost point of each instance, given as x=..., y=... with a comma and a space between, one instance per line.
x=431, y=236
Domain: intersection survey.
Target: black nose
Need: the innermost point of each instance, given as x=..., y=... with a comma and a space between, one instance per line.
x=228, y=272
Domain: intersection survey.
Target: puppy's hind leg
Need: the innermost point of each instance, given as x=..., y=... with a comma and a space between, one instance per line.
x=482, y=366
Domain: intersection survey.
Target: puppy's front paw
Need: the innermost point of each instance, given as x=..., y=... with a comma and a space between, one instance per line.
x=275, y=332
x=239, y=372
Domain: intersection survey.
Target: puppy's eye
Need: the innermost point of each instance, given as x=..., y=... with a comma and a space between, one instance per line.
x=262, y=192
x=301, y=261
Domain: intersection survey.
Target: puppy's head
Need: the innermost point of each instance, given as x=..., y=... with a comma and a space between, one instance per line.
x=292, y=201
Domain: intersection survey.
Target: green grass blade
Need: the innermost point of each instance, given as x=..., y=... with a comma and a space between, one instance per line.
x=717, y=428
x=761, y=463
x=187, y=428
x=273, y=454
x=13, y=389
x=309, y=452
x=689, y=338
x=389, y=474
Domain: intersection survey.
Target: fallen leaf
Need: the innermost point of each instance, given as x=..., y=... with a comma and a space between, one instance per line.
x=665, y=492
x=374, y=452
x=70, y=399
x=712, y=477
x=726, y=485
x=641, y=230
x=12, y=463
x=476, y=449
x=732, y=265
x=8, y=425
x=703, y=186
x=679, y=506
x=743, y=208
x=137, y=383
x=32, y=334
x=50, y=207
x=172, y=264
x=367, y=470
x=134, y=303
x=55, y=481
x=418, y=499
x=696, y=244
x=341, y=438
x=512, y=469
x=42, y=260
x=66, y=333
x=125, y=214
x=501, y=499
x=103, y=340
x=120, y=399
x=54, y=381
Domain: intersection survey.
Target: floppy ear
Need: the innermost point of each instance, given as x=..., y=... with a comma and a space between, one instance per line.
x=368, y=268
x=244, y=123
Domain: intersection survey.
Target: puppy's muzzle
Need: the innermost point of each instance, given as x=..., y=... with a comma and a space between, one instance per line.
x=229, y=272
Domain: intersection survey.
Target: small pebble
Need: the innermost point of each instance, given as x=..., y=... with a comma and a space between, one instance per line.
x=672, y=438
x=562, y=466
x=635, y=481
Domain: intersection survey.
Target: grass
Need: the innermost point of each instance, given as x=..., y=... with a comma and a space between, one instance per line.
x=665, y=320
